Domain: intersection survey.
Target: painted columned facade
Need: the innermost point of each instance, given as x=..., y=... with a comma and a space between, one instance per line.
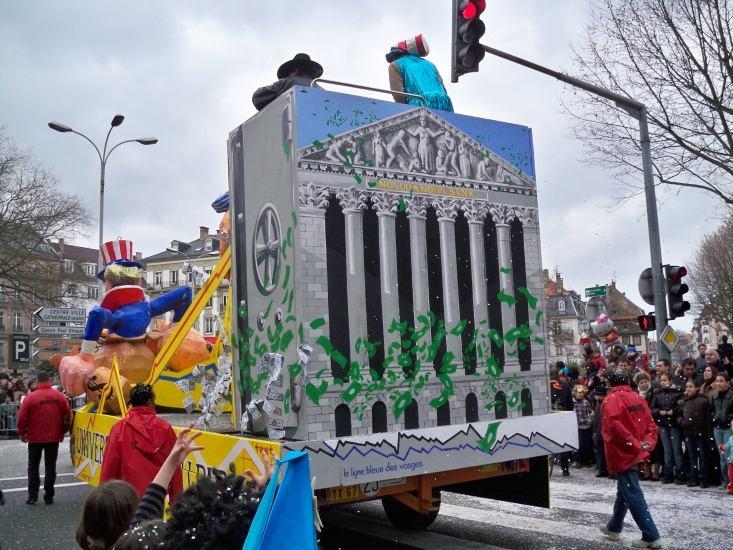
x=503, y=216
x=353, y=202
x=447, y=210
x=475, y=213
x=416, y=208
x=386, y=205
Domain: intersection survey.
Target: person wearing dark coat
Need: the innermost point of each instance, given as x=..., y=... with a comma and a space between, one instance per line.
x=562, y=400
x=665, y=406
x=299, y=71
x=722, y=417
x=596, y=397
x=695, y=424
x=725, y=350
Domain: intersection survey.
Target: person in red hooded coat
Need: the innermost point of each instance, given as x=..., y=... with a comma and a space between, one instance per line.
x=629, y=434
x=138, y=445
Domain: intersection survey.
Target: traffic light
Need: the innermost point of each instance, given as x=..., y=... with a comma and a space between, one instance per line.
x=647, y=323
x=467, y=30
x=676, y=290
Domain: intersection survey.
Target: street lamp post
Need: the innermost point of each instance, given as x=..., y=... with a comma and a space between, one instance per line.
x=103, y=157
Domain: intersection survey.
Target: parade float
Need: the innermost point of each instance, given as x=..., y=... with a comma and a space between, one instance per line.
x=384, y=313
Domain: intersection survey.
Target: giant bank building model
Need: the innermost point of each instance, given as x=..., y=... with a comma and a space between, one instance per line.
x=388, y=277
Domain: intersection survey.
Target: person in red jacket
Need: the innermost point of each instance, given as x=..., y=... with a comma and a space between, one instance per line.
x=43, y=419
x=629, y=434
x=138, y=445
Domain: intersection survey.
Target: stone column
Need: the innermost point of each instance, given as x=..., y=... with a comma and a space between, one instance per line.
x=386, y=206
x=417, y=214
x=475, y=212
x=503, y=215
x=353, y=202
x=447, y=210
x=535, y=281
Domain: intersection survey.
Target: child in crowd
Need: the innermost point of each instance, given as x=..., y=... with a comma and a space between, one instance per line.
x=665, y=406
x=695, y=424
x=584, y=413
x=213, y=514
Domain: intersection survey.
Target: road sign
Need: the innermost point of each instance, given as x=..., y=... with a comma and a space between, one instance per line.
x=21, y=348
x=53, y=343
x=61, y=314
x=45, y=355
x=56, y=330
x=669, y=338
x=646, y=288
x=595, y=291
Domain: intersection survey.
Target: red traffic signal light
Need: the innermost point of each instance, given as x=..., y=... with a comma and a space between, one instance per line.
x=647, y=323
x=676, y=289
x=468, y=28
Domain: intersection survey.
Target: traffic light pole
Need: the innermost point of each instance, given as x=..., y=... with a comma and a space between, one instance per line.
x=638, y=111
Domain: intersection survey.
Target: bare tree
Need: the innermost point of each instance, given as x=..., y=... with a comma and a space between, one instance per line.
x=711, y=276
x=675, y=56
x=33, y=212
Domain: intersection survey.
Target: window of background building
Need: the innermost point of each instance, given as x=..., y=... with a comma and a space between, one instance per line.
x=210, y=302
x=2, y=320
x=209, y=246
x=2, y=353
x=17, y=322
x=93, y=292
x=561, y=305
x=207, y=270
x=158, y=278
x=90, y=269
x=208, y=325
x=68, y=266
x=637, y=340
x=16, y=294
x=174, y=276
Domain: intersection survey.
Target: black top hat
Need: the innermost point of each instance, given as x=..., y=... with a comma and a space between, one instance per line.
x=304, y=64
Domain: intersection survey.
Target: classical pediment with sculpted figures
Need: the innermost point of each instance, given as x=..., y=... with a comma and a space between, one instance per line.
x=416, y=145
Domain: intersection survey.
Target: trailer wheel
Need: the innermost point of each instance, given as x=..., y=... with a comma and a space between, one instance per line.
x=404, y=517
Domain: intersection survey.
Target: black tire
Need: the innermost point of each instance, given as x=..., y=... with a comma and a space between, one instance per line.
x=404, y=517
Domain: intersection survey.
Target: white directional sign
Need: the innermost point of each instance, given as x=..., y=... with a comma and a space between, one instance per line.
x=61, y=314
x=49, y=330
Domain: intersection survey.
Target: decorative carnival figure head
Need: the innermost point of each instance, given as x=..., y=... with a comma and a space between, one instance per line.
x=604, y=328
x=120, y=267
x=417, y=45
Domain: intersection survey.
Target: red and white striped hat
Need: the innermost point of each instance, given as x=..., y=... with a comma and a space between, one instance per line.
x=118, y=252
x=418, y=45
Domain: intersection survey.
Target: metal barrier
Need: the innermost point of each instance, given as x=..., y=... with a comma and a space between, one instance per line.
x=8, y=419
x=77, y=402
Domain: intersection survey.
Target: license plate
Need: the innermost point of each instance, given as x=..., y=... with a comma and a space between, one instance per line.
x=348, y=492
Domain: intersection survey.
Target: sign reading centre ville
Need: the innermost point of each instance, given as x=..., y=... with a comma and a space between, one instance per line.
x=61, y=314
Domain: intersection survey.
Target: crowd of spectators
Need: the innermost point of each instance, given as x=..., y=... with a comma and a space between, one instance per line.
x=691, y=402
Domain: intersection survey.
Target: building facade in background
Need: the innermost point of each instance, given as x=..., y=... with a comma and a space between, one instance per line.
x=75, y=285
x=708, y=330
x=565, y=317
x=625, y=315
x=188, y=263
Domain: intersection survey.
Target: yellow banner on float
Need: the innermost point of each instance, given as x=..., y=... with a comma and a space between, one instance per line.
x=222, y=453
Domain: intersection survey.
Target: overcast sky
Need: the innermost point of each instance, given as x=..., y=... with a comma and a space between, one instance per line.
x=184, y=72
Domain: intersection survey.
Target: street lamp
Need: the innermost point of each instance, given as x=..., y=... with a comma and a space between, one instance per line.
x=103, y=157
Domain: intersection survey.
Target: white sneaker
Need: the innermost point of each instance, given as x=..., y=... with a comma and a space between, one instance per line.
x=610, y=534
x=644, y=544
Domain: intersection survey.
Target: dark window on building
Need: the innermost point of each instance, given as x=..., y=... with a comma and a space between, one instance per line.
x=435, y=280
x=373, y=289
x=343, y=420
x=471, y=408
x=338, y=310
x=379, y=418
x=444, y=414
x=491, y=253
x=526, y=402
x=500, y=409
x=465, y=293
x=519, y=272
x=412, y=416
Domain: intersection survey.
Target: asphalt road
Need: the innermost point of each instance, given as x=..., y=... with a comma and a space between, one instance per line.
x=687, y=518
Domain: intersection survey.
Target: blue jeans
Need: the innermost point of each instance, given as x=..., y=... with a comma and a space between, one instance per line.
x=721, y=437
x=697, y=451
x=629, y=497
x=674, y=464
